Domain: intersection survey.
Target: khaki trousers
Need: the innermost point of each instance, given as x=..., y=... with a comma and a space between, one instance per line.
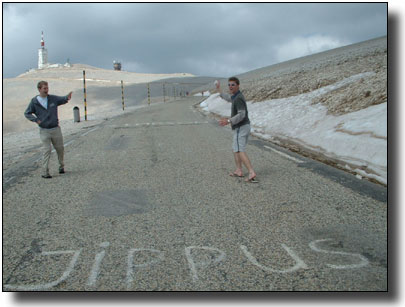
x=51, y=136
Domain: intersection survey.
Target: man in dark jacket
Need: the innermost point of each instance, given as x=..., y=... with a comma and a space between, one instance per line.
x=43, y=110
x=240, y=124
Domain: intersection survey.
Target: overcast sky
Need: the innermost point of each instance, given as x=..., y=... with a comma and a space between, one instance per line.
x=202, y=39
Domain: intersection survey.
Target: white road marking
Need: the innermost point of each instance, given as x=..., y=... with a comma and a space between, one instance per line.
x=363, y=260
x=130, y=268
x=49, y=285
x=194, y=266
x=284, y=155
x=67, y=143
x=299, y=264
x=96, y=266
x=87, y=132
x=159, y=124
x=9, y=179
x=71, y=141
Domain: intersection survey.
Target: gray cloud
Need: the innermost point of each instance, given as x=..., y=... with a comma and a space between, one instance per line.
x=203, y=39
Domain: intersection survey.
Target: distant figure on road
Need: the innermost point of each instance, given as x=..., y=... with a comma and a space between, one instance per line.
x=217, y=85
x=43, y=110
x=240, y=124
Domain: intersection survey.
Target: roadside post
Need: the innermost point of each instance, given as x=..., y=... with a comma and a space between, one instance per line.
x=122, y=92
x=84, y=90
x=148, y=94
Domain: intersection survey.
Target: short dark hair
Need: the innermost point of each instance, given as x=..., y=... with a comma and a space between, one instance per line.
x=41, y=84
x=234, y=79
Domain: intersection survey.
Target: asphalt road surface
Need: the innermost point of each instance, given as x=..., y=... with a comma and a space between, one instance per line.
x=147, y=204
x=136, y=94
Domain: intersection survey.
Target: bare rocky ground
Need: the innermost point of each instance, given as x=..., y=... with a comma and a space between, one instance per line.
x=312, y=72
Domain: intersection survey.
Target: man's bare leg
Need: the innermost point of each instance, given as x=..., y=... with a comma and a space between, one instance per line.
x=238, y=162
x=243, y=157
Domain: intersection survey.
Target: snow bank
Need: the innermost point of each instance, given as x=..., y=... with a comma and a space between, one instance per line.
x=357, y=140
x=206, y=94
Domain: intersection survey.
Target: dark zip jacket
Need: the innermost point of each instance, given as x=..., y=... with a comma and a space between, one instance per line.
x=239, y=114
x=48, y=117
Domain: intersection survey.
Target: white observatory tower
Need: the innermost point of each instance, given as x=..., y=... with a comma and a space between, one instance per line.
x=42, y=54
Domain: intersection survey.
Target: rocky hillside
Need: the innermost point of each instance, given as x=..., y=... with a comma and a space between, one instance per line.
x=312, y=72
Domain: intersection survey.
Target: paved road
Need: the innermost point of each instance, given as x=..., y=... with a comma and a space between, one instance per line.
x=147, y=204
x=135, y=94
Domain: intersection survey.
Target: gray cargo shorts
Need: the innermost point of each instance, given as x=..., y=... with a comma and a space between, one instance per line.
x=240, y=138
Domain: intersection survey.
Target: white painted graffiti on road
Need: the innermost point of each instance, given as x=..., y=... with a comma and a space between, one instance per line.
x=46, y=286
x=194, y=264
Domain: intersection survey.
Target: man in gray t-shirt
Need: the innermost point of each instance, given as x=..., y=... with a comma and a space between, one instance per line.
x=240, y=124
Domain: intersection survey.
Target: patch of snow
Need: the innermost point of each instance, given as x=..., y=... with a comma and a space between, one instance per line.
x=357, y=139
